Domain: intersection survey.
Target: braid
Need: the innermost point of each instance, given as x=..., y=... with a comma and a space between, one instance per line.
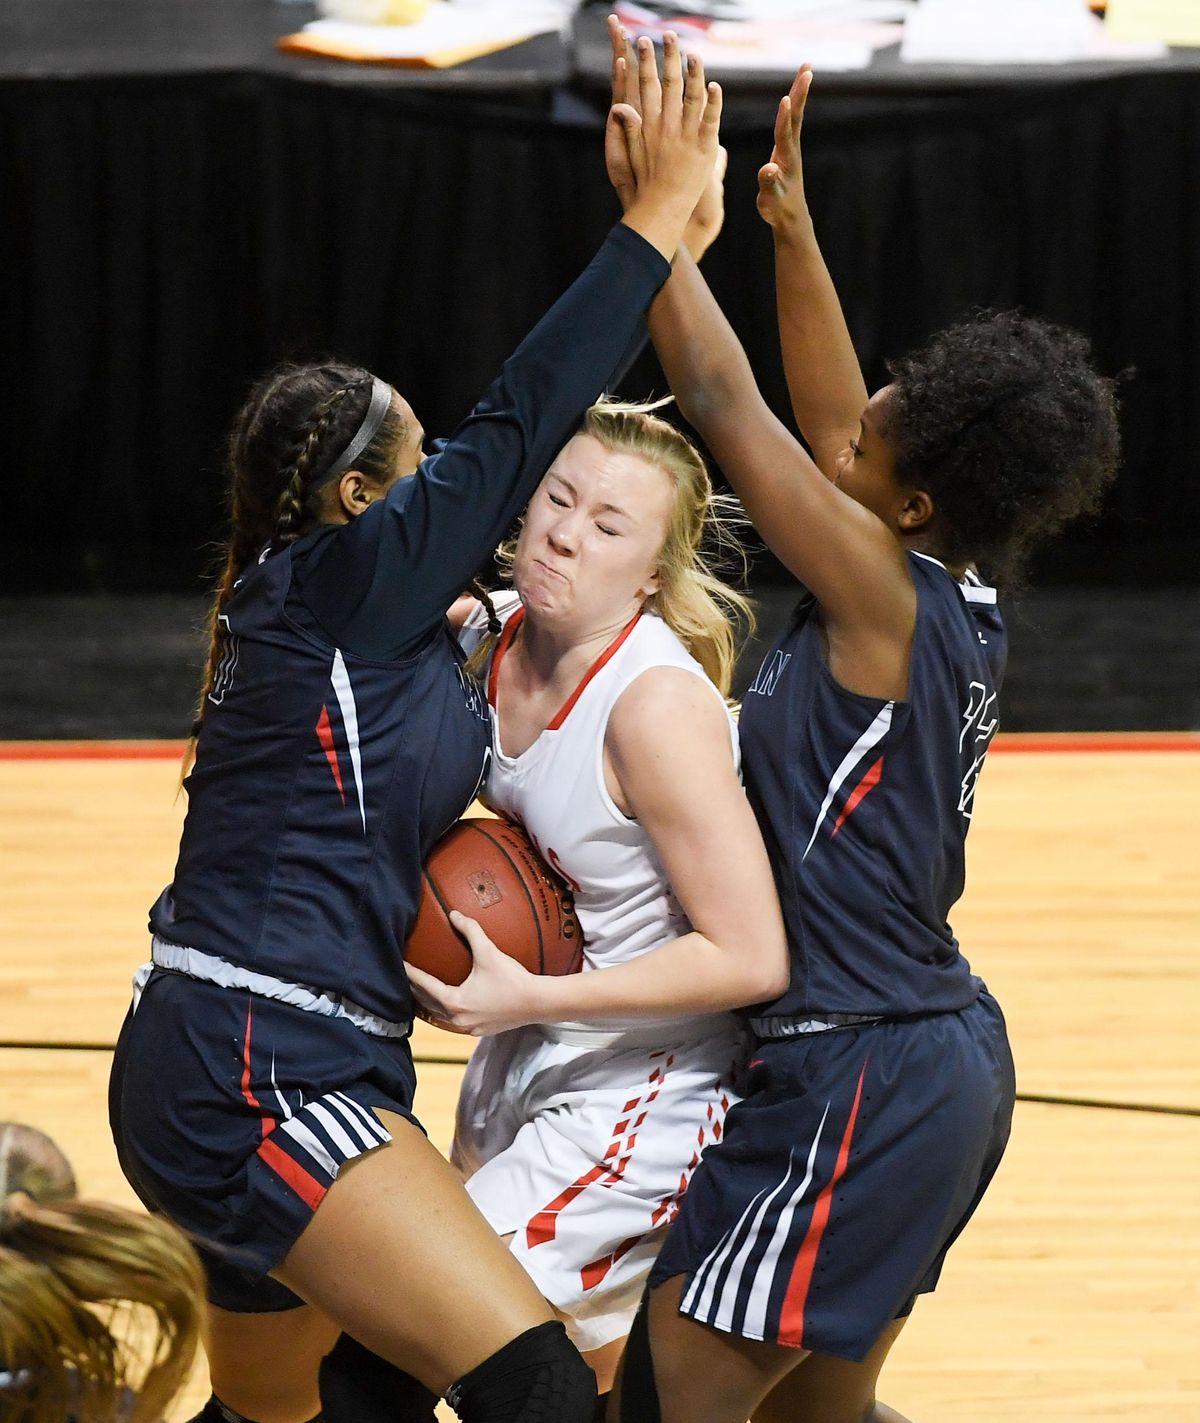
x=297, y=477
x=478, y=591
x=283, y=439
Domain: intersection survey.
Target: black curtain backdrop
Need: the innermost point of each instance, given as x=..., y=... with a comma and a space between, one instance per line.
x=167, y=236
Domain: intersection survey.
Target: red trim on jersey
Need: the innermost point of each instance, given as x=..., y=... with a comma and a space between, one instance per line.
x=859, y=793
x=791, y=1316
x=304, y=1183
x=325, y=737
x=609, y=652
x=510, y=631
x=507, y=633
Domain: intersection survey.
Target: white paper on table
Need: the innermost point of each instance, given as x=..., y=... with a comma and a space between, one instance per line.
x=743, y=46
x=1015, y=32
x=731, y=46
x=443, y=27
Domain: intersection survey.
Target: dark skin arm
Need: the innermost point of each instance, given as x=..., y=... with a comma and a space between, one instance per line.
x=823, y=375
x=846, y=555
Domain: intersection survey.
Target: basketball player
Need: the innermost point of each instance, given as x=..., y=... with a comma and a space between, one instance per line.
x=878, y=1100
x=613, y=746
x=262, y=1086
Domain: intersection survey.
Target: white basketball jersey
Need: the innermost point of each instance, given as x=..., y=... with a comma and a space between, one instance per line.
x=556, y=789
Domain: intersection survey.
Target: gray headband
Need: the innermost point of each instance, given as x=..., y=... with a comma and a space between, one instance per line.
x=381, y=400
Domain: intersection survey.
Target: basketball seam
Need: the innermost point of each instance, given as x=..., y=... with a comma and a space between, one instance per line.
x=441, y=904
x=525, y=888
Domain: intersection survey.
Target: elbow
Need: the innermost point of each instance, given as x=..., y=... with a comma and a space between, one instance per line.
x=703, y=396
x=775, y=971
x=763, y=974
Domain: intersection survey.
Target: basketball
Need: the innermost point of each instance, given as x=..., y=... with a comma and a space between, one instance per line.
x=490, y=871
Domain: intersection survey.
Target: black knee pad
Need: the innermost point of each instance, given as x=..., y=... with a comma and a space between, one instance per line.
x=639, y=1391
x=360, y=1387
x=537, y=1378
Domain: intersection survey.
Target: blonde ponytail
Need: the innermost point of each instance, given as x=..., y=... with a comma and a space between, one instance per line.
x=101, y=1308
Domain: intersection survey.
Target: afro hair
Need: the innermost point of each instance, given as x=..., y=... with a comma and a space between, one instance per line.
x=1005, y=422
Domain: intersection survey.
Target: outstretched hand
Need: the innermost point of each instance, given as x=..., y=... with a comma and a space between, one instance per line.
x=661, y=141
x=708, y=216
x=496, y=995
x=781, y=197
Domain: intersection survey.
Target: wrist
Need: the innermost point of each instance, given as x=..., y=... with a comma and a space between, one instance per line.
x=794, y=230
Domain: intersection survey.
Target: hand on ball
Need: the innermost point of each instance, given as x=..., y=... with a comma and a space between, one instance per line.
x=496, y=995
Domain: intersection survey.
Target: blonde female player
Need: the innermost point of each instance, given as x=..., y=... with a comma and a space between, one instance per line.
x=613, y=746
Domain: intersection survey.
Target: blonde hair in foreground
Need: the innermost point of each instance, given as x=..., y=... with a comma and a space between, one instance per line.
x=693, y=600
x=101, y=1308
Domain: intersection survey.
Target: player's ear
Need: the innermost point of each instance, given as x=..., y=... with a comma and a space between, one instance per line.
x=916, y=511
x=355, y=492
x=651, y=585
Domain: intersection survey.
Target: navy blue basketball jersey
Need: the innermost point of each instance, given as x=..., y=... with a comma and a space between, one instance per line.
x=865, y=806
x=342, y=735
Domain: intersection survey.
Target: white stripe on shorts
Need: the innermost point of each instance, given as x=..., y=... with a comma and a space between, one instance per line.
x=300, y=1133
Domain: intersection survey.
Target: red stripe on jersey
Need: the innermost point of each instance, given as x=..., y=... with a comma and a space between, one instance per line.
x=325, y=736
x=288, y=1169
x=859, y=793
x=791, y=1316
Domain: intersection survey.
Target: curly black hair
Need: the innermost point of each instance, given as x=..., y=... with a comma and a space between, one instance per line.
x=1005, y=422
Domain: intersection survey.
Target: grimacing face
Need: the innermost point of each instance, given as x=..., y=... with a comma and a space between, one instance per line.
x=588, y=553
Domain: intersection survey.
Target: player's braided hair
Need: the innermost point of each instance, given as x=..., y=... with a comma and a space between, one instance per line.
x=102, y=1307
x=1005, y=421
x=693, y=599
x=295, y=423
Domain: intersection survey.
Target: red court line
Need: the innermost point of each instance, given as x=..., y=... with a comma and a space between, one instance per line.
x=91, y=750
x=1097, y=741
x=1005, y=742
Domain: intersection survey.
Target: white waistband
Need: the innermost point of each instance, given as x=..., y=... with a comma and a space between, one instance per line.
x=208, y=968
x=657, y=1032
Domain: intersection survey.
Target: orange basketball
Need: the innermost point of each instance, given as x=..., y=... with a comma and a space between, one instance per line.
x=490, y=871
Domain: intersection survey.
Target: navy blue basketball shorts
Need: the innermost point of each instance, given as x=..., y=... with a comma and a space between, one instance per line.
x=853, y=1162
x=232, y=1114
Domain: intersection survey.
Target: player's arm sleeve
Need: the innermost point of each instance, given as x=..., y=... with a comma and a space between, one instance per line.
x=380, y=584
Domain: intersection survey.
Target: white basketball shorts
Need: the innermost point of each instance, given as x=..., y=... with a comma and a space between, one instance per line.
x=581, y=1150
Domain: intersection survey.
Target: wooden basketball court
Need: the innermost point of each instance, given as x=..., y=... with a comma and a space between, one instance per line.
x=1074, y=1295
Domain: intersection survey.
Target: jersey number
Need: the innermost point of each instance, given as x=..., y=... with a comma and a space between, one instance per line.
x=979, y=726
x=227, y=664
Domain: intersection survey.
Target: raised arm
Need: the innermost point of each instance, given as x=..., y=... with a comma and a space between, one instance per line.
x=823, y=375
x=380, y=583
x=837, y=547
x=668, y=742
